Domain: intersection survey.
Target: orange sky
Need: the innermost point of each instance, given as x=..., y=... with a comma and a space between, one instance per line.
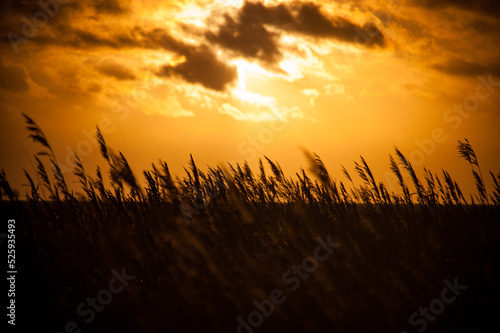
x=234, y=80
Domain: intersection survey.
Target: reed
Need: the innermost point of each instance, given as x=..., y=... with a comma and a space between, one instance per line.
x=218, y=185
x=465, y=151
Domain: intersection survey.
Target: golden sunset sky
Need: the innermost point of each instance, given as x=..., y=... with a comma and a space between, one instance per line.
x=235, y=80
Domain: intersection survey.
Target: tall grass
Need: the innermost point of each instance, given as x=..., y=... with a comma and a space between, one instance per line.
x=465, y=151
x=247, y=228
x=274, y=188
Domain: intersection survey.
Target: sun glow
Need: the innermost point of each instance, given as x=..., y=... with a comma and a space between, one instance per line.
x=254, y=106
x=246, y=69
x=241, y=92
x=194, y=15
x=180, y=60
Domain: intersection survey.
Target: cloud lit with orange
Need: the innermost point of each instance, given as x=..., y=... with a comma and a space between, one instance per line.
x=237, y=80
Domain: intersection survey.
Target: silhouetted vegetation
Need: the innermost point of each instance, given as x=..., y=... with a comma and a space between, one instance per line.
x=204, y=246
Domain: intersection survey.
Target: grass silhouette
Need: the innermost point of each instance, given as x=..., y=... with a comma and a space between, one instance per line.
x=244, y=230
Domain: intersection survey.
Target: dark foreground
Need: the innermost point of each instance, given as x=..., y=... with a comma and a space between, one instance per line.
x=140, y=267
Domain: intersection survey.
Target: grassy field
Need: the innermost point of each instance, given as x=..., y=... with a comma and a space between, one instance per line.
x=212, y=251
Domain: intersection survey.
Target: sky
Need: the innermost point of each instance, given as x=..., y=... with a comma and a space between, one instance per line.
x=232, y=81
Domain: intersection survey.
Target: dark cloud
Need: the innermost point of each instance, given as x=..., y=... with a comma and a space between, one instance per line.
x=109, y=7
x=111, y=68
x=252, y=33
x=39, y=22
x=248, y=36
x=59, y=15
x=119, y=40
x=249, y=39
x=484, y=27
x=311, y=21
x=29, y=7
x=202, y=66
x=159, y=38
x=13, y=10
x=77, y=38
x=460, y=67
x=486, y=7
x=19, y=7
x=14, y=78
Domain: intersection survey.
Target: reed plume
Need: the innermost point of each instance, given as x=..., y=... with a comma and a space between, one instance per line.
x=5, y=187
x=465, y=151
x=416, y=182
x=35, y=196
x=495, y=197
x=37, y=135
x=395, y=169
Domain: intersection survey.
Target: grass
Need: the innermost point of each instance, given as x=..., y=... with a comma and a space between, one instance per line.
x=204, y=246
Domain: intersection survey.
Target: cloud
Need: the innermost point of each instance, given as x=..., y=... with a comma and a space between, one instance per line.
x=81, y=38
x=67, y=36
x=109, y=7
x=16, y=13
x=461, y=67
x=29, y=8
x=17, y=79
x=310, y=20
x=486, y=7
x=336, y=88
x=312, y=93
x=248, y=36
x=483, y=27
x=202, y=66
x=168, y=106
x=252, y=31
x=261, y=114
x=232, y=111
x=59, y=27
x=114, y=69
x=14, y=78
